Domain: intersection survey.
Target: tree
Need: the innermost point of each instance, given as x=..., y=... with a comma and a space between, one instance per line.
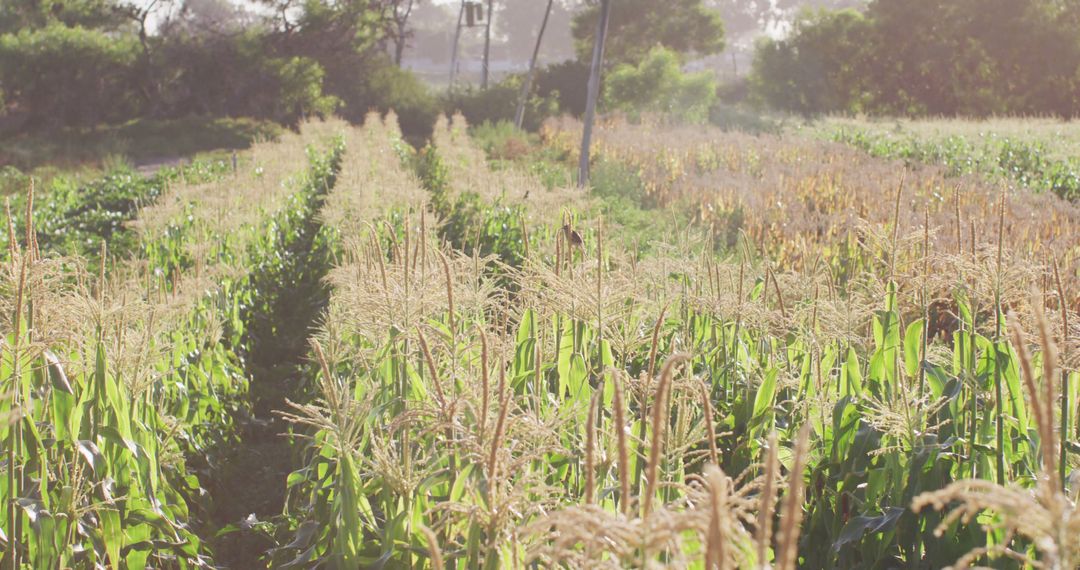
x=818, y=68
x=637, y=26
x=658, y=85
x=742, y=17
x=526, y=87
x=928, y=57
x=517, y=28
x=63, y=75
x=400, y=10
x=18, y=15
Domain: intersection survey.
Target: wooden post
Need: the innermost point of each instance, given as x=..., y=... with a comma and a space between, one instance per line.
x=487, y=45
x=454, y=51
x=526, y=87
x=594, y=91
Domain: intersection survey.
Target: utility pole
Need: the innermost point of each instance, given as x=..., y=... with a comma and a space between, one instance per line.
x=526, y=87
x=594, y=91
x=487, y=46
x=457, y=41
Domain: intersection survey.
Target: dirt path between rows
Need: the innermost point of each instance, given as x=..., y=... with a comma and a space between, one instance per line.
x=250, y=484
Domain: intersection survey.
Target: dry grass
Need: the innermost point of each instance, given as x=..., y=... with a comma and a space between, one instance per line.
x=800, y=201
x=469, y=173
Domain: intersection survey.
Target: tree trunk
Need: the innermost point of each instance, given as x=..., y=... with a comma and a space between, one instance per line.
x=401, y=39
x=487, y=46
x=399, y=46
x=594, y=91
x=526, y=88
x=457, y=42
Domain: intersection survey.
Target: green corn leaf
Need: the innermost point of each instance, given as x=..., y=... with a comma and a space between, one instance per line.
x=765, y=397
x=112, y=534
x=913, y=338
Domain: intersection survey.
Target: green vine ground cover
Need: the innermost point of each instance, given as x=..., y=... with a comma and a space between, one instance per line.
x=1031, y=158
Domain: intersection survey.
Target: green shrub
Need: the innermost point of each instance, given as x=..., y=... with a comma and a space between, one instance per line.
x=301, y=87
x=625, y=204
x=499, y=103
x=69, y=76
x=566, y=83
x=658, y=85
x=738, y=118
x=384, y=87
x=501, y=140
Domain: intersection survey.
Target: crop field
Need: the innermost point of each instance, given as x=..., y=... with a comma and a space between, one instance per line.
x=833, y=348
x=1037, y=153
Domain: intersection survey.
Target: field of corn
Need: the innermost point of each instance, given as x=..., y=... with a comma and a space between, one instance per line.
x=345, y=352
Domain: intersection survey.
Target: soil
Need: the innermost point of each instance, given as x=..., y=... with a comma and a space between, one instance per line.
x=249, y=484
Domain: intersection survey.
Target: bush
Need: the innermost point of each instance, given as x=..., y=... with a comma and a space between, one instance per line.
x=809, y=72
x=233, y=75
x=499, y=103
x=385, y=86
x=72, y=76
x=501, y=140
x=300, y=82
x=627, y=205
x=658, y=85
x=738, y=118
x=566, y=83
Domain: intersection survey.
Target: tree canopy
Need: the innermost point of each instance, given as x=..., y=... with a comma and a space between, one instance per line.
x=638, y=26
x=80, y=62
x=936, y=57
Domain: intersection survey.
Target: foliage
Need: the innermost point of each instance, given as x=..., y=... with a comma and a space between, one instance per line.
x=83, y=62
x=18, y=15
x=928, y=57
x=815, y=70
x=658, y=85
x=638, y=26
x=626, y=204
x=385, y=87
x=1030, y=164
x=69, y=75
x=135, y=379
x=499, y=103
x=502, y=140
x=740, y=118
x=240, y=75
x=567, y=83
x=300, y=83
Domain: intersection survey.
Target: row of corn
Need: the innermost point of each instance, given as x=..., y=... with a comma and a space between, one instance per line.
x=575, y=404
x=113, y=382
